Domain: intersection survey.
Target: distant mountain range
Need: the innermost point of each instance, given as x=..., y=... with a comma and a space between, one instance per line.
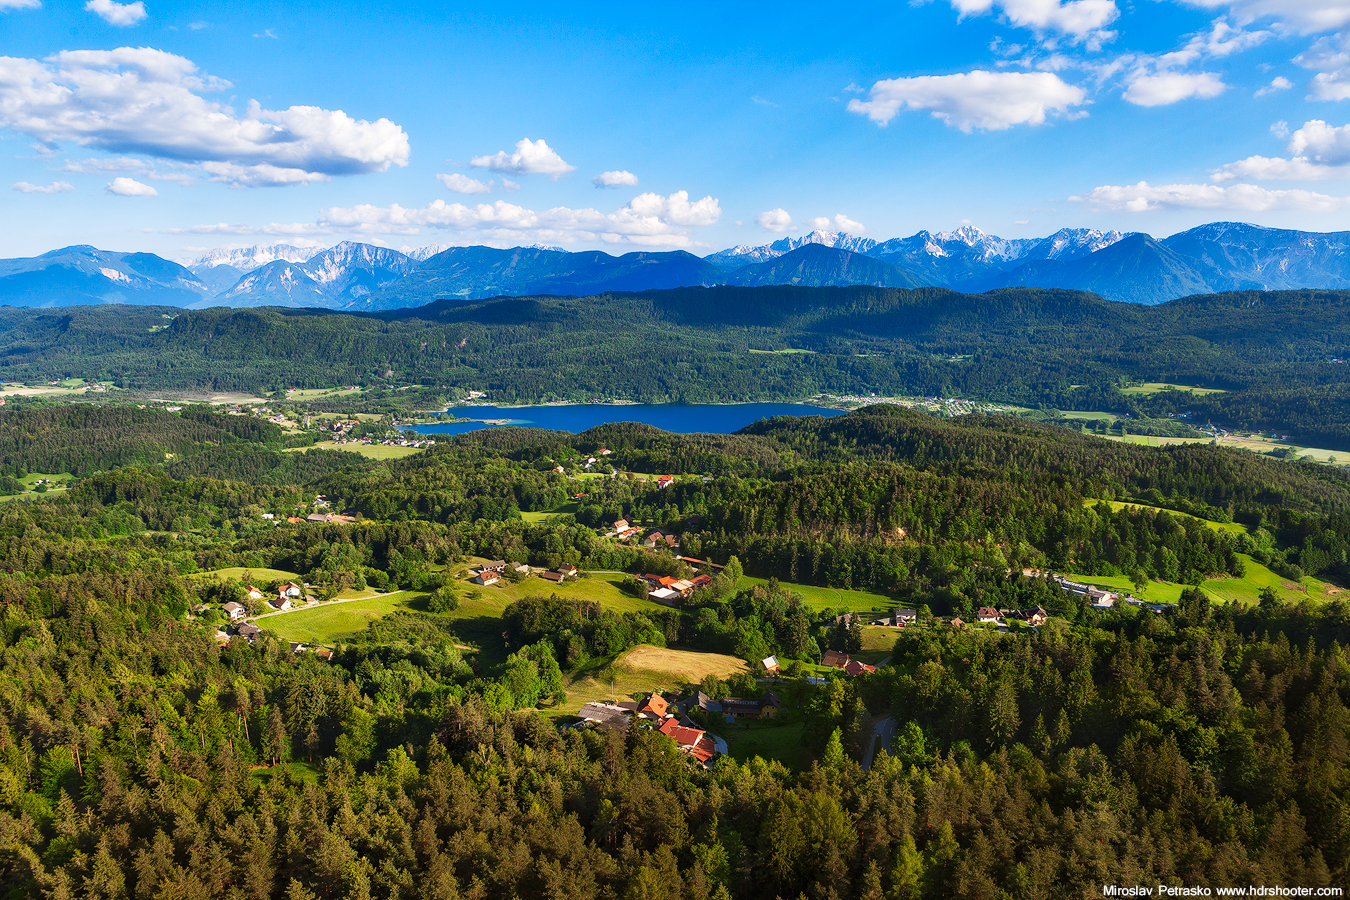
x=1134, y=268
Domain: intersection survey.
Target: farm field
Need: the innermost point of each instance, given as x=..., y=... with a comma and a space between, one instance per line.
x=879, y=637
x=818, y=598
x=642, y=669
x=601, y=587
x=1244, y=590
x=333, y=621
x=1251, y=443
x=1157, y=387
x=370, y=451
x=259, y=575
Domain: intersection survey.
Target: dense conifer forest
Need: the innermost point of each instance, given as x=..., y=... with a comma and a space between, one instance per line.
x=1204, y=744
x=1278, y=357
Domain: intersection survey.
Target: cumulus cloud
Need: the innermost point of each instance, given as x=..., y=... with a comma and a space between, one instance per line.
x=509, y=186
x=840, y=223
x=647, y=220
x=1278, y=83
x=141, y=100
x=1318, y=151
x=616, y=179
x=463, y=184
x=56, y=187
x=130, y=187
x=992, y=101
x=1143, y=197
x=1301, y=16
x=1078, y=19
x=530, y=158
x=1171, y=87
x=20, y=4
x=776, y=220
x=257, y=175
x=123, y=15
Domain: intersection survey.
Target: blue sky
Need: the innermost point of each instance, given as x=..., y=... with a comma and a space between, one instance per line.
x=175, y=127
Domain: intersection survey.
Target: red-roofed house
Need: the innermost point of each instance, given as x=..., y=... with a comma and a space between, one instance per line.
x=856, y=668
x=654, y=705
x=987, y=614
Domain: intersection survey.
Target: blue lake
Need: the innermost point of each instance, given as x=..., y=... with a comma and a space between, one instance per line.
x=711, y=419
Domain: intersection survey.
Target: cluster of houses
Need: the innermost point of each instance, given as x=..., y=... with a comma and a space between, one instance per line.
x=671, y=718
x=666, y=589
x=490, y=573
x=1103, y=599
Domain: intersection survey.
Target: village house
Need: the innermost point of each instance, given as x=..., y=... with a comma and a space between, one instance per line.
x=253, y=593
x=765, y=707
x=664, y=481
x=567, y=570
x=987, y=615
x=898, y=618
x=664, y=595
x=555, y=577
x=487, y=577
x=497, y=566
x=770, y=665
x=248, y=632
x=520, y=568
x=856, y=668
x=292, y=590
x=1036, y=616
x=957, y=623
x=695, y=742
x=605, y=715
x=235, y=610
x=834, y=659
x=281, y=604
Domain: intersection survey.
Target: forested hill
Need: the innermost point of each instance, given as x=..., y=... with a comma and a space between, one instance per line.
x=1052, y=348
x=430, y=749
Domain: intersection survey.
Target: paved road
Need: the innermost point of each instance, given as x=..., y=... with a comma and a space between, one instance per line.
x=883, y=732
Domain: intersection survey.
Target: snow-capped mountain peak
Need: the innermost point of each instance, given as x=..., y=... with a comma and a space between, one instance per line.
x=246, y=259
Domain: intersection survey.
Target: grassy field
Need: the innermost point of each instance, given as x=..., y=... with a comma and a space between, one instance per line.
x=602, y=588
x=819, y=598
x=1244, y=590
x=313, y=393
x=1157, y=387
x=641, y=670
x=259, y=576
x=879, y=637
x=334, y=621
x=370, y=451
x=1252, y=443
x=779, y=738
x=1230, y=527
x=787, y=350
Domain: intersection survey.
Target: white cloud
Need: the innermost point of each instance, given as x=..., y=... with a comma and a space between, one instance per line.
x=1301, y=16
x=530, y=158
x=844, y=223
x=1078, y=18
x=840, y=223
x=257, y=175
x=647, y=220
x=56, y=187
x=1330, y=58
x=1278, y=83
x=991, y=101
x=129, y=164
x=1171, y=87
x=130, y=187
x=776, y=220
x=266, y=33
x=20, y=4
x=198, y=26
x=1143, y=197
x=1319, y=151
x=463, y=184
x=509, y=186
x=620, y=178
x=122, y=15
x=141, y=100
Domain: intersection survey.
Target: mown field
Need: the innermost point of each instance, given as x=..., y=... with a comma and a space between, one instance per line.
x=819, y=598
x=1246, y=589
x=641, y=670
x=260, y=577
x=370, y=451
x=332, y=622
